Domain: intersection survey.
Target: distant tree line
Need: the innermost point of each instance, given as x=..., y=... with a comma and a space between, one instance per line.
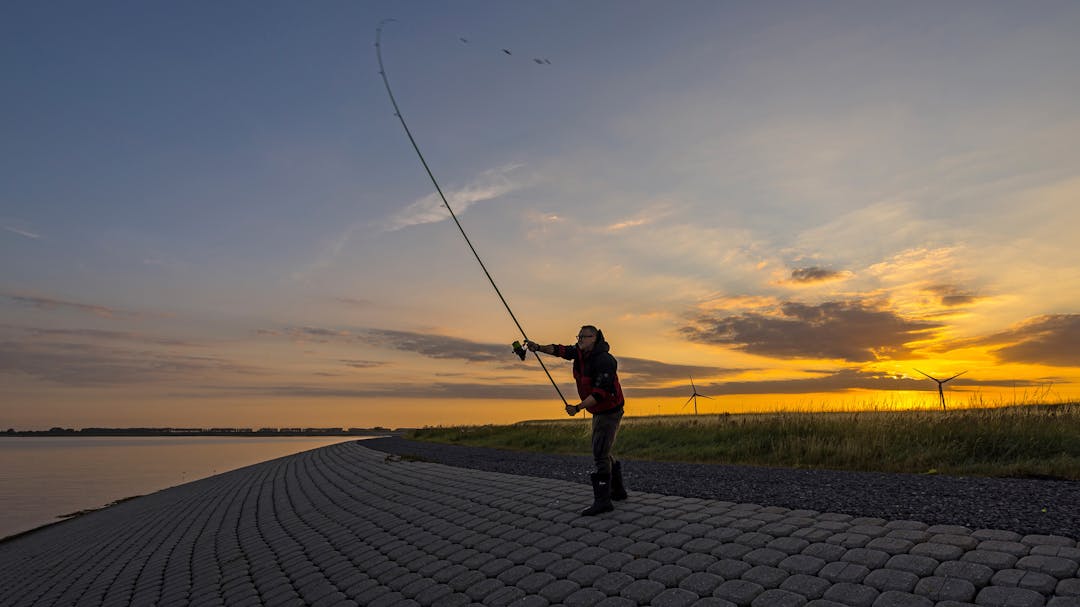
x=377, y=430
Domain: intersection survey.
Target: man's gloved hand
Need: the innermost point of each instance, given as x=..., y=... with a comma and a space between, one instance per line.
x=532, y=345
x=571, y=410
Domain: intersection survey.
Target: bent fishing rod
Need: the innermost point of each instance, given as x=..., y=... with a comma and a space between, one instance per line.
x=438, y=189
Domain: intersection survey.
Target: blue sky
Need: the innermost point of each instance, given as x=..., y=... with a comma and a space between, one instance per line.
x=211, y=216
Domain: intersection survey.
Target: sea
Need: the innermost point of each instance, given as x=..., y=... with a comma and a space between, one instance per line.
x=44, y=479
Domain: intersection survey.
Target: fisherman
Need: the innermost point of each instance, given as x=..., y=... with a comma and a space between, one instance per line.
x=598, y=386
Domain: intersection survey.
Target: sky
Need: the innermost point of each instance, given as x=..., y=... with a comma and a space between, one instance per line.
x=210, y=215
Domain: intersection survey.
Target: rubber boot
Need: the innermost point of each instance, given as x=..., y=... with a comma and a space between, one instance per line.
x=601, y=486
x=618, y=489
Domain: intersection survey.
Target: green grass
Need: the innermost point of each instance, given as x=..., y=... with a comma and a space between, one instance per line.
x=1041, y=441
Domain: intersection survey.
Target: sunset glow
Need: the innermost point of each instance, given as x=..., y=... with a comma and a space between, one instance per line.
x=211, y=216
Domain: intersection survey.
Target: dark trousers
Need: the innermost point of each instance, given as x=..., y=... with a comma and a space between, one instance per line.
x=604, y=428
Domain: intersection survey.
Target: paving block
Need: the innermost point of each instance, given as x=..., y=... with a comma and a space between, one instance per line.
x=640, y=568
x=964, y=541
x=850, y=540
x=557, y=591
x=534, y=582
x=729, y=569
x=641, y=591
x=754, y=539
x=584, y=575
x=512, y=575
x=696, y=562
x=921, y=566
x=915, y=536
x=809, y=586
x=856, y=595
x=939, y=552
x=612, y=583
x=1016, y=549
x=674, y=597
x=840, y=571
x=873, y=559
x=788, y=545
x=668, y=555
x=812, y=534
x=998, y=596
x=991, y=558
x=890, y=545
x=504, y=596
x=1056, y=566
x=825, y=551
x=1070, y=587
x=945, y=589
x=896, y=598
x=779, y=598
x=701, y=583
x=1048, y=540
x=996, y=535
x=978, y=575
x=802, y=563
x=891, y=579
x=740, y=592
x=675, y=540
x=1020, y=578
x=767, y=577
x=1064, y=601
x=764, y=556
x=562, y=567
x=669, y=575
x=586, y=597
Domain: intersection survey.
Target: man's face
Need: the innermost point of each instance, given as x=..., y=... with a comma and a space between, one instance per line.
x=586, y=339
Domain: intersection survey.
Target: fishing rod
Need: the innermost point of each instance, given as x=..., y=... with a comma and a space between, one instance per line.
x=401, y=118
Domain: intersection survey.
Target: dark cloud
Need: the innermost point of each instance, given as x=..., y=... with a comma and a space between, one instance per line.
x=851, y=331
x=439, y=346
x=83, y=364
x=952, y=295
x=1050, y=340
x=645, y=371
x=814, y=274
x=364, y=364
x=49, y=303
x=432, y=390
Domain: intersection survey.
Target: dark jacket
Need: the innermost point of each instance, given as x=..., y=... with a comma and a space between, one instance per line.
x=595, y=372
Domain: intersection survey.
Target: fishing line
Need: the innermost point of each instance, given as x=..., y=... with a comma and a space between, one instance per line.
x=401, y=118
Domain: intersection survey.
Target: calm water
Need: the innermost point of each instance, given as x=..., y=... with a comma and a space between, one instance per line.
x=42, y=478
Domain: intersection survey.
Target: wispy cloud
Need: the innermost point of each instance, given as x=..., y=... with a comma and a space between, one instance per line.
x=646, y=216
x=430, y=209
x=86, y=364
x=22, y=232
x=101, y=335
x=50, y=303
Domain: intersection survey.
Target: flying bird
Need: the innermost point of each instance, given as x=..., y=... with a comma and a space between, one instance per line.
x=465, y=40
x=507, y=52
x=541, y=61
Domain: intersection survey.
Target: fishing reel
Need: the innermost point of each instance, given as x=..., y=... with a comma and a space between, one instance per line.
x=520, y=351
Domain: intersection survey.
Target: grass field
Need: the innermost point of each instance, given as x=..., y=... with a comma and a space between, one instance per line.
x=1032, y=441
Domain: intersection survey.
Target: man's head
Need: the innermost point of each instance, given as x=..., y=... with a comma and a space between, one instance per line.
x=588, y=336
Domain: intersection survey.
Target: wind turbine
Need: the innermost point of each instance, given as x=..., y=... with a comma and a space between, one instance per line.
x=694, y=396
x=940, y=383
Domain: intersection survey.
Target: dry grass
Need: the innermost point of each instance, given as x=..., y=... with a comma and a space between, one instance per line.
x=1040, y=440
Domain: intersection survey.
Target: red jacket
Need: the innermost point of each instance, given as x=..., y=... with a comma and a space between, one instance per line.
x=596, y=373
